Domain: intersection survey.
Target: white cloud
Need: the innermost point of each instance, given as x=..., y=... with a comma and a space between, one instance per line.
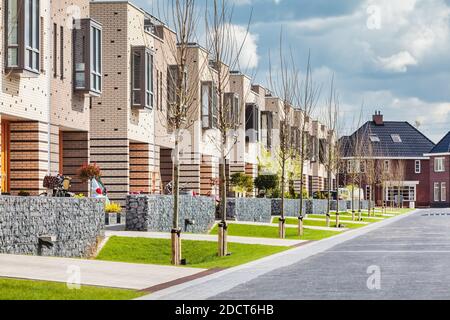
x=398, y=62
x=249, y=57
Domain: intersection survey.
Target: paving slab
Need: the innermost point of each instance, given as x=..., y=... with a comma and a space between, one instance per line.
x=92, y=272
x=205, y=237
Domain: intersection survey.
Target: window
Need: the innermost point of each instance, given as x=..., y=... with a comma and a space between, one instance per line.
x=87, y=56
x=209, y=105
x=172, y=91
x=374, y=138
x=23, y=35
x=418, y=166
x=439, y=165
x=61, y=48
x=55, y=50
x=436, y=192
x=405, y=193
x=266, y=128
x=386, y=165
x=231, y=105
x=396, y=138
x=252, y=122
x=443, y=191
x=142, y=78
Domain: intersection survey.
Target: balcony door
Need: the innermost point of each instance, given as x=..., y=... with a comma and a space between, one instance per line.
x=5, y=157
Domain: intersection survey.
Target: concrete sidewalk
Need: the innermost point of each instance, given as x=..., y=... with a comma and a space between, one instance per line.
x=206, y=237
x=95, y=273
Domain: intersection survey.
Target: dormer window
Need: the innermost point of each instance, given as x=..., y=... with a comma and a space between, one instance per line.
x=374, y=138
x=87, y=55
x=396, y=138
x=22, y=36
x=142, y=78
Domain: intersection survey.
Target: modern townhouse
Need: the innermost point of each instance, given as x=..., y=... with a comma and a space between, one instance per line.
x=50, y=67
x=439, y=168
x=397, y=150
x=126, y=117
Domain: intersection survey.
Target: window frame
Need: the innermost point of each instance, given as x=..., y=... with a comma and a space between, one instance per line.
x=396, y=138
x=145, y=79
x=418, y=166
x=439, y=164
x=443, y=192
x=27, y=24
x=436, y=191
x=209, y=111
x=87, y=58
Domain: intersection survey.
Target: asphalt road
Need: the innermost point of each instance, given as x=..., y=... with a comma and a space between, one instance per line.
x=408, y=259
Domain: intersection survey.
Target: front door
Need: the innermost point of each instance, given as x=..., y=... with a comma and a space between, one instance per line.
x=5, y=144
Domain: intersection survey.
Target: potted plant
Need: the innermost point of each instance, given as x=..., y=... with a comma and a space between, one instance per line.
x=87, y=172
x=112, y=213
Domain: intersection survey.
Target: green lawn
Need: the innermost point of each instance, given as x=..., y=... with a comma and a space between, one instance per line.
x=12, y=289
x=199, y=254
x=272, y=232
x=306, y=222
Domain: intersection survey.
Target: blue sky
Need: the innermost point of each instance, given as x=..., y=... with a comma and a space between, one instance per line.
x=392, y=55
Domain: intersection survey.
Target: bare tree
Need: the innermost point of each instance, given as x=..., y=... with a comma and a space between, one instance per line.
x=182, y=94
x=307, y=99
x=284, y=83
x=332, y=153
x=225, y=52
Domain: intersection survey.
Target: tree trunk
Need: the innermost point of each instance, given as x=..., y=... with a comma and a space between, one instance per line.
x=223, y=228
x=300, y=227
x=300, y=220
x=176, y=231
x=353, y=201
x=282, y=221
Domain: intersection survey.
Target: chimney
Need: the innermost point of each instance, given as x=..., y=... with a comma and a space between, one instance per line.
x=378, y=118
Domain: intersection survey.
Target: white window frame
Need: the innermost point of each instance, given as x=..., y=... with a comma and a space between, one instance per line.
x=439, y=164
x=396, y=138
x=443, y=191
x=418, y=166
x=392, y=191
x=437, y=191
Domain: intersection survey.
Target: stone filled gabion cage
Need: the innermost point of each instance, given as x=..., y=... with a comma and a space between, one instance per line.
x=62, y=227
x=155, y=213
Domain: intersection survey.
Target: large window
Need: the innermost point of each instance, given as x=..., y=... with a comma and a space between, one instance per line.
x=404, y=193
x=22, y=35
x=443, y=191
x=439, y=164
x=231, y=105
x=209, y=105
x=436, y=192
x=252, y=122
x=142, y=78
x=266, y=128
x=87, y=55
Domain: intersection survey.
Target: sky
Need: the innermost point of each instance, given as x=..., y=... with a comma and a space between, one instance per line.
x=392, y=56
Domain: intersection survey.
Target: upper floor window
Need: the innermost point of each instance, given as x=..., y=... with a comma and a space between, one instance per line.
x=418, y=166
x=439, y=164
x=87, y=55
x=386, y=166
x=142, y=78
x=23, y=35
x=267, y=128
x=252, y=122
x=209, y=105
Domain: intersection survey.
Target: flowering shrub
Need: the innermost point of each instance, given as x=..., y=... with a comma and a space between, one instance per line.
x=89, y=172
x=113, y=208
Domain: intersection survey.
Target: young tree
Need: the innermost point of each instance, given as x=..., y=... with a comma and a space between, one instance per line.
x=182, y=108
x=285, y=84
x=332, y=152
x=225, y=52
x=307, y=98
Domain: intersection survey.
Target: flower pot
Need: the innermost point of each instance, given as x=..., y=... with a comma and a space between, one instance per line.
x=111, y=218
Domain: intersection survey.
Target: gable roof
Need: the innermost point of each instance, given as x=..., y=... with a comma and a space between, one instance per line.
x=413, y=142
x=443, y=146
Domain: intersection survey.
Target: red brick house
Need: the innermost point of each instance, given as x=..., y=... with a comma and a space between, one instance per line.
x=439, y=168
x=396, y=152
